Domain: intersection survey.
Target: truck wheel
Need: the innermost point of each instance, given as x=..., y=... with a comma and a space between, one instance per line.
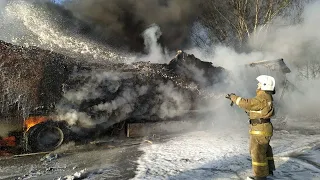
x=44, y=137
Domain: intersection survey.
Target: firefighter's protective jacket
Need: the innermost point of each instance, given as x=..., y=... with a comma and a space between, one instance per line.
x=258, y=107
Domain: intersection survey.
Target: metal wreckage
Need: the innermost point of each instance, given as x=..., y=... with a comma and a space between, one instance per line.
x=49, y=99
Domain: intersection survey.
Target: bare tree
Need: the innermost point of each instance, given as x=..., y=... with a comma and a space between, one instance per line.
x=233, y=21
x=309, y=69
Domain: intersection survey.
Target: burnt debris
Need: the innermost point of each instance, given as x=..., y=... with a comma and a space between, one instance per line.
x=88, y=94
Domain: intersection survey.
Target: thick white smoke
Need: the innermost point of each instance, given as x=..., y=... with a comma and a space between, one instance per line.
x=173, y=103
x=165, y=102
x=2, y=5
x=298, y=44
x=153, y=48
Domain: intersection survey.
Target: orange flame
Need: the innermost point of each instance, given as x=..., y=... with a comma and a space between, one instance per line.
x=34, y=120
x=8, y=141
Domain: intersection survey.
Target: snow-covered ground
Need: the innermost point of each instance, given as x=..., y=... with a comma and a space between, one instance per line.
x=224, y=155
x=220, y=152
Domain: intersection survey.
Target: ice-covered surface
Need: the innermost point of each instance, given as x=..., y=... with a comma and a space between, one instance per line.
x=216, y=155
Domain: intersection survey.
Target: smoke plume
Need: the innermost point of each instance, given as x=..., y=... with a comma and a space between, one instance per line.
x=155, y=53
x=122, y=21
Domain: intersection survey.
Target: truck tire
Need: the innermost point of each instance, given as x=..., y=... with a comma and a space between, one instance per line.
x=44, y=137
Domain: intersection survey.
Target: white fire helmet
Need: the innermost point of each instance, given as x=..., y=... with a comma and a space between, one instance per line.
x=267, y=83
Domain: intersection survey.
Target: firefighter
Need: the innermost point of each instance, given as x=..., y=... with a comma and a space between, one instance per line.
x=259, y=109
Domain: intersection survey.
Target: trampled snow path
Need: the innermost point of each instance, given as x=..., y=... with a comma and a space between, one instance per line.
x=207, y=155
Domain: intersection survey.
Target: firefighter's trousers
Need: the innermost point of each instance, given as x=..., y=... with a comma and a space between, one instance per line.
x=260, y=149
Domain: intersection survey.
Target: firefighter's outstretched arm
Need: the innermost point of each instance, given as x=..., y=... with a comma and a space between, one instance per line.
x=251, y=104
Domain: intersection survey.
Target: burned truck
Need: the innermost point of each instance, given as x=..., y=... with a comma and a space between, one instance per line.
x=49, y=98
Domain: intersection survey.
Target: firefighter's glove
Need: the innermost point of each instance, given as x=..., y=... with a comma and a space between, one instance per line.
x=231, y=96
x=228, y=96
